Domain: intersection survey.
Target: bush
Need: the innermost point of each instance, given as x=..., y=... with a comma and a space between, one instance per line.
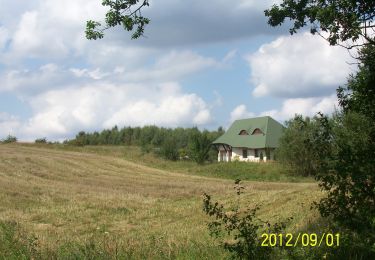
x=199, y=146
x=238, y=229
x=298, y=148
x=169, y=149
x=183, y=155
x=9, y=139
x=41, y=140
x=146, y=148
x=346, y=166
x=347, y=175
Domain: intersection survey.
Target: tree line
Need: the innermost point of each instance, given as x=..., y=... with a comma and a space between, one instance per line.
x=172, y=144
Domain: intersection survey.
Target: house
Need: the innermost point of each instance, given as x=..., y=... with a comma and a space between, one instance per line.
x=252, y=139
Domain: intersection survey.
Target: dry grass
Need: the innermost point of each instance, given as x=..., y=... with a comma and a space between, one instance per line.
x=66, y=196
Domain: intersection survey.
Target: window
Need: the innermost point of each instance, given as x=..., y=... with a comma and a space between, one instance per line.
x=256, y=153
x=257, y=131
x=244, y=153
x=243, y=132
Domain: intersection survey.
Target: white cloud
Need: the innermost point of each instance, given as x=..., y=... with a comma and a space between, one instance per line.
x=304, y=106
x=174, y=65
x=67, y=100
x=108, y=54
x=49, y=75
x=51, y=29
x=59, y=113
x=290, y=107
x=4, y=37
x=301, y=65
x=229, y=56
x=205, y=22
x=74, y=84
x=255, y=3
x=27, y=37
x=93, y=74
x=170, y=111
x=240, y=112
x=55, y=28
x=8, y=125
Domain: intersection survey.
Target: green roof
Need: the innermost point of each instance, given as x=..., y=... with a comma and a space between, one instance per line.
x=272, y=131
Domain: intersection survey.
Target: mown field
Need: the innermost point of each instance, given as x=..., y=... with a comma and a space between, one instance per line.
x=108, y=202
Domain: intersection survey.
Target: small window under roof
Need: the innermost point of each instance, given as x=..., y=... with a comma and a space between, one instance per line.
x=243, y=132
x=257, y=131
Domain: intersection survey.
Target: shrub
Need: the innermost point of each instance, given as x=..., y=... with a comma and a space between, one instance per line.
x=169, y=149
x=182, y=153
x=346, y=168
x=199, y=146
x=239, y=229
x=146, y=148
x=298, y=148
x=41, y=140
x=9, y=139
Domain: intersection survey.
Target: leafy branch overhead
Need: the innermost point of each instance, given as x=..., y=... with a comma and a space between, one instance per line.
x=126, y=13
x=342, y=19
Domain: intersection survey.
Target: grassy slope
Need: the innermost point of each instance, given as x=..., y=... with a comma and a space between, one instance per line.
x=234, y=170
x=64, y=196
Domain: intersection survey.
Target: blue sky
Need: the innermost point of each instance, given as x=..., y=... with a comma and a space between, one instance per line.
x=201, y=64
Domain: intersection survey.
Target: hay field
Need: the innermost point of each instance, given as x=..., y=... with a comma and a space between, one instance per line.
x=67, y=199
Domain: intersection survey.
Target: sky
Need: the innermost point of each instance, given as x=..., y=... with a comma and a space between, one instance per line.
x=200, y=63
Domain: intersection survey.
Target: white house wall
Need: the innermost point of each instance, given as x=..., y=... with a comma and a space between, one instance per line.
x=237, y=155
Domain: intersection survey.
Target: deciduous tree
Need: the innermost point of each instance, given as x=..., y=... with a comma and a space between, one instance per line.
x=342, y=19
x=126, y=13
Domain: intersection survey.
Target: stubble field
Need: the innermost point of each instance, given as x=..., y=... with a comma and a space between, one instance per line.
x=76, y=203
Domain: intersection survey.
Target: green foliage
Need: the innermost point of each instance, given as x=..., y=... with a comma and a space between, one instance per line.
x=15, y=245
x=164, y=141
x=9, y=139
x=273, y=171
x=41, y=140
x=339, y=152
x=346, y=173
x=126, y=13
x=146, y=148
x=169, y=149
x=359, y=94
x=199, y=146
x=345, y=143
x=182, y=153
x=149, y=135
x=80, y=140
x=347, y=170
x=239, y=229
x=298, y=148
x=342, y=19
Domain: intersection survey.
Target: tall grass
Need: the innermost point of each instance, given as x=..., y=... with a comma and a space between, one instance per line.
x=15, y=243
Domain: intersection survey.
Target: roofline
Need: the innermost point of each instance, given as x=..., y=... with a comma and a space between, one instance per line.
x=241, y=146
x=268, y=117
x=250, y=118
